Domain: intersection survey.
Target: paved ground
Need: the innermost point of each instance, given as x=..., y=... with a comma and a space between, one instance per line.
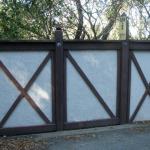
x=127, y=137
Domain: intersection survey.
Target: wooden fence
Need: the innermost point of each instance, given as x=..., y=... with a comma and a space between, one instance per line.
x=61, y=85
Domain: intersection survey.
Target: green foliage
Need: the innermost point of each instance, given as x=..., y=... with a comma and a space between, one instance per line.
x=37, y=19
x=25, y=19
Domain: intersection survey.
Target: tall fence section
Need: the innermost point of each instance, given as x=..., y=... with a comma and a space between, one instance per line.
x=60, y=85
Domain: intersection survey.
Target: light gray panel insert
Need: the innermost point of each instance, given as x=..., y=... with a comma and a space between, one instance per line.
x=101, y=69
x=138, y=88
x=8, y=94
x=41, y=91
x=82, y=105
x=24, y=115
x=22, y=64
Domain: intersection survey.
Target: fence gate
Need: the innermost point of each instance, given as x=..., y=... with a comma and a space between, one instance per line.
x=59, y=85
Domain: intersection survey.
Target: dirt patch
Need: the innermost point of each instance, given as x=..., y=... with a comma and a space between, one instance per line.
x=22, y=144
x=79, y=137
x=142, y=128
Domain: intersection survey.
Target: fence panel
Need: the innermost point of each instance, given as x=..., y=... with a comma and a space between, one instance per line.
x=92, y=83
x=140, y=76
x=26, y=95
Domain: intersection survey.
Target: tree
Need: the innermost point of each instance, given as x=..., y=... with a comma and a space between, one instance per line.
x=86, y=19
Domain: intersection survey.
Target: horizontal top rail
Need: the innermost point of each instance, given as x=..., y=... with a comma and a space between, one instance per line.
x=27, y=45
x=48, y=45
x=105, y=45
x=139, y=45
x=92, y=45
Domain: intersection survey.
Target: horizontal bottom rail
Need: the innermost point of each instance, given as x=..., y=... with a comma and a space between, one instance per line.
x=27, y=130
x=90, y=124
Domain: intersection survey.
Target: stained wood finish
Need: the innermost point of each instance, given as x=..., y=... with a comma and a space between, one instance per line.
x=11, y=46
x=140, y=45
x=59, y=79
x=118, y=83
x=84, y=45
x=124, y=103
x=90, y=124
x=27, y=130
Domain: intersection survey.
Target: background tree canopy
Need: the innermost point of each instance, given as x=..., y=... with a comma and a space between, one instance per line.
x=80, y=19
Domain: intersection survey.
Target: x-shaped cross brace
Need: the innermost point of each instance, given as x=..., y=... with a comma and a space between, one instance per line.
x=24, y=91
x=146, y=84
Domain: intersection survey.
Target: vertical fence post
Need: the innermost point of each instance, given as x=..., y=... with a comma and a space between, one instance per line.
x=59, y=78
x=124, y=27
x=124, y=104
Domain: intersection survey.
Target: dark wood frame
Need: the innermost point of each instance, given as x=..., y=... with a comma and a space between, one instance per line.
x=59, y=51
x=124, y=101
x=59, y=79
